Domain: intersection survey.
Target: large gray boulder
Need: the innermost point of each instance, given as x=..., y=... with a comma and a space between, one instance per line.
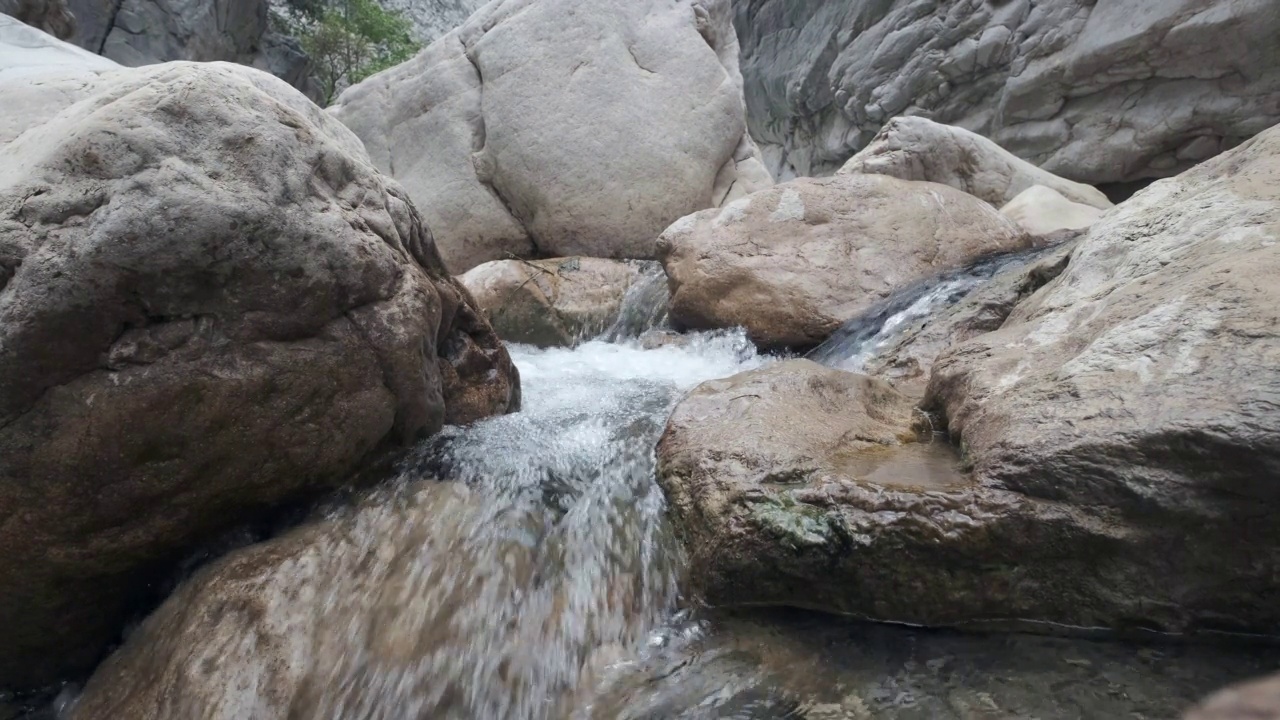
x=555, y=127
x=793, y=262
x=1141, y=386
x=1098, y=92
x=210, y=304
x=803, y=486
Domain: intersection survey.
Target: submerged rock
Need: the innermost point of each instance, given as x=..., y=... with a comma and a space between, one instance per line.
x=555, y=127
x=914, y=148
x=210, y=304
x=1098, y=92
x=551, y=303
x=793, y=262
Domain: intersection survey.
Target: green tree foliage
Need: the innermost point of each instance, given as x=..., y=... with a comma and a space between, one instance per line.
x=349, y=40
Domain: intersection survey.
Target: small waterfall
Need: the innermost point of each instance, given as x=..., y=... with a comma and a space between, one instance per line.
x=862, y=339
x=515, y=561
x=644, y=307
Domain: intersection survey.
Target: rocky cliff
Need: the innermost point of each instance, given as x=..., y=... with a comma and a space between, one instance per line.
x=1097, y=92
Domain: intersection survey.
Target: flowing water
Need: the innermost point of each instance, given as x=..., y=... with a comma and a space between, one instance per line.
x=862, y=338
x=523, y=569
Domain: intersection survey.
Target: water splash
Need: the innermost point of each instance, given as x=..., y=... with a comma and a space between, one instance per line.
x=864, y=337
x=501, y=593
x=644, y=307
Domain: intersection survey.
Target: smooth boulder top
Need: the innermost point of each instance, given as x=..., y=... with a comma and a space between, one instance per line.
x=1043, y=211
x=40, y=75
x=211, y=305
x=793, y=262
x=559, y=128
x=914, y=148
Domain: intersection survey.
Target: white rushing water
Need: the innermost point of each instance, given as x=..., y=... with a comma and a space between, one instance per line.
x=513, y=562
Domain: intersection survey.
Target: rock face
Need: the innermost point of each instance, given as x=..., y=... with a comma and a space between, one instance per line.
x=210, y=304
x=1142, y=383
x=528, y=133
x=433, y=18
x=551, y=303
x=144, y=32
x=794, y=262
x=1256, y=700
x=912, y=148
x=1096, y=92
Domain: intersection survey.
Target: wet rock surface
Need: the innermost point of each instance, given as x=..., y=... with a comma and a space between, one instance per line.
x=211, y=304
x=557, y=128
x=804, y=486
x=793, y=262
x=900, y=338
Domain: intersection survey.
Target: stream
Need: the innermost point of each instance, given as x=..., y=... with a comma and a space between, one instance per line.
x=522, y=568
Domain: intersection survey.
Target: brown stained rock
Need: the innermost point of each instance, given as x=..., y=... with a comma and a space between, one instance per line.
x=803, y=486
x=210, y=304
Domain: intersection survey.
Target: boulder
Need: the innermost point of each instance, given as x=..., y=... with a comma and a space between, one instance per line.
x=1043, y=211
x=211, y=304
x=551, y=303
x=1254, y=700
x=1140, y=388
x=914, y=148
x=522, y=133
x=793, y=262
x=804, y=486
x=1099, y=92
x=40, y=75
